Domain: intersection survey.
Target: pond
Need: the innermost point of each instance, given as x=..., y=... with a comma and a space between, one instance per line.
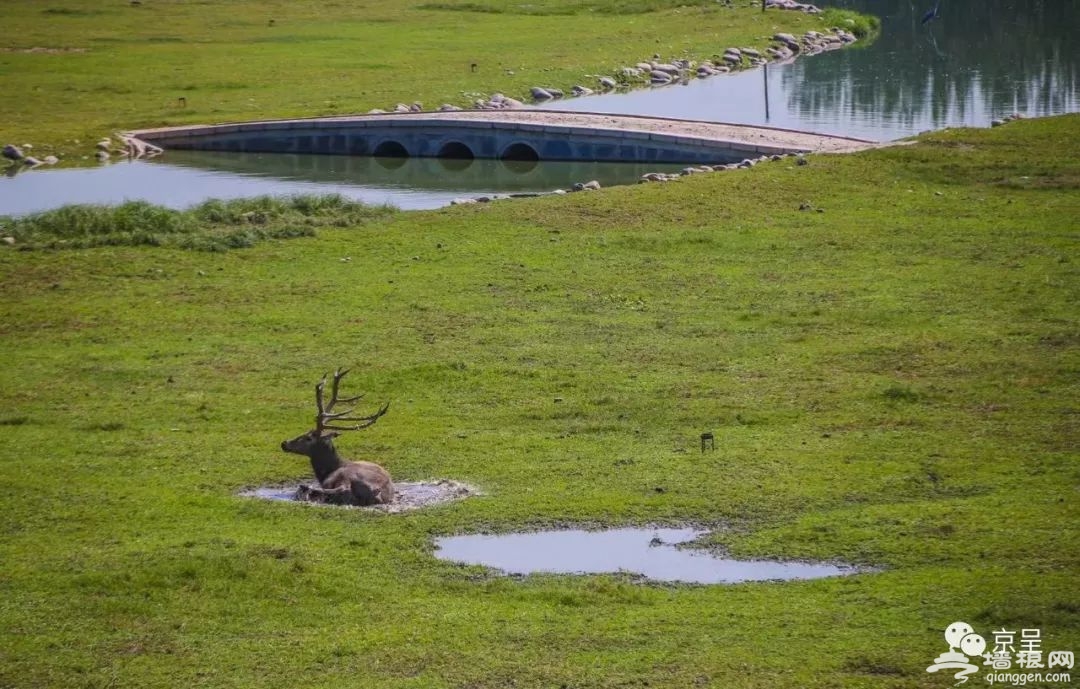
x=179, y=179
x=653, y=553
x=977, y=61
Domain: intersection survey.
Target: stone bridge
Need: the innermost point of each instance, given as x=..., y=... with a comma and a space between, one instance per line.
x=526, y=135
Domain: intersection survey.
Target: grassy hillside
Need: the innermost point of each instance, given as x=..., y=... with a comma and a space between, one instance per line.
x=892, y=381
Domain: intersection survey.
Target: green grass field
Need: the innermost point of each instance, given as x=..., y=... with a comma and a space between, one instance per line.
x=74, y=70
x=892, y=382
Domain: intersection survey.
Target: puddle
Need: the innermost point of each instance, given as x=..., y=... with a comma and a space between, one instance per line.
x=407, y=495
x=651, y=553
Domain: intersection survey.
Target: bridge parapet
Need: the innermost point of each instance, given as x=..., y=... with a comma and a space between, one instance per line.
x=508, y=135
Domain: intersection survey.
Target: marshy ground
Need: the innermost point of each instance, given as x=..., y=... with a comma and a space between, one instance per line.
x=408, y=495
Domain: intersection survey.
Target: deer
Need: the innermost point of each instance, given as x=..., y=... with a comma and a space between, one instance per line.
x=340, y=481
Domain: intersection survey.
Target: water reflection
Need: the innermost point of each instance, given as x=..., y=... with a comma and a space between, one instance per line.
x=184, y=178
x=429, y=174
x=979, y=60
x=651, y=553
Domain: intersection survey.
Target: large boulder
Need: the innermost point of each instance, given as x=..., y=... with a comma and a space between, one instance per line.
x=12, y=152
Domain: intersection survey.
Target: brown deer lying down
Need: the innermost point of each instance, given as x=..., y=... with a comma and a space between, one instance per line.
x=341, y=482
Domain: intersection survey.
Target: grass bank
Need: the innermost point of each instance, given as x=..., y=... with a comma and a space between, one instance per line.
x=892, y=381
x=213, y=225
x=75, y=70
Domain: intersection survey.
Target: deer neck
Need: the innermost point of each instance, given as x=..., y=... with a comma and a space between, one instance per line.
x=324, y=459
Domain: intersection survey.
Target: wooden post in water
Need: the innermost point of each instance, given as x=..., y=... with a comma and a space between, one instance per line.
x=765, y=71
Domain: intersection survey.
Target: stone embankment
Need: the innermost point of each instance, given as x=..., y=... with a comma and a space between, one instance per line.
x=126, y=146
x=657, y=71
x=594, y=185
x=18, y=158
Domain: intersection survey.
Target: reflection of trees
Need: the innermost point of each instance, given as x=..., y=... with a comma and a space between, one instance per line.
x=980, y=59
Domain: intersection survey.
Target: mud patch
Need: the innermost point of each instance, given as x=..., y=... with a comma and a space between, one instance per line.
x=408, y=495
x=651, y=553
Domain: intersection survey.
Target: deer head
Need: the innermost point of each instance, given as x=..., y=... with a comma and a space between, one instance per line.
x=318, y=442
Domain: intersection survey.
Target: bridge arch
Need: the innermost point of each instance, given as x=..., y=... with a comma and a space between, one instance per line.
x=390, y=149
x=456, y=150
x=520, y=151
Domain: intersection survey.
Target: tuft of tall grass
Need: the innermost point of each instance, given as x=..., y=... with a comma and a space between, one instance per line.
x=861, y=25
x=214, y=225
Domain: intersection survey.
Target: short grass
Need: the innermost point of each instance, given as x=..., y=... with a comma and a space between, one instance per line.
x=74, y=70
x=891, y=381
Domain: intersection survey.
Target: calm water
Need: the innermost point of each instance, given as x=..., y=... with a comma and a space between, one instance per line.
x=979, y=60
x=651, y=553
x=183, y=178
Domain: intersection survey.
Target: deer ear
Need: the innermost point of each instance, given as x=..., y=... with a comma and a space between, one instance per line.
x=329, y=434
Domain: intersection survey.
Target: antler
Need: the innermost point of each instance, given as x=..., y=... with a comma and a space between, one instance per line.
x=327, y=415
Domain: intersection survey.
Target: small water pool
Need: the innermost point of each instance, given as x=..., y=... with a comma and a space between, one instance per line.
x=653, y=553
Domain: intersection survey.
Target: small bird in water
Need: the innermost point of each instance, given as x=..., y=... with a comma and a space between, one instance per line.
x=932, y=14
